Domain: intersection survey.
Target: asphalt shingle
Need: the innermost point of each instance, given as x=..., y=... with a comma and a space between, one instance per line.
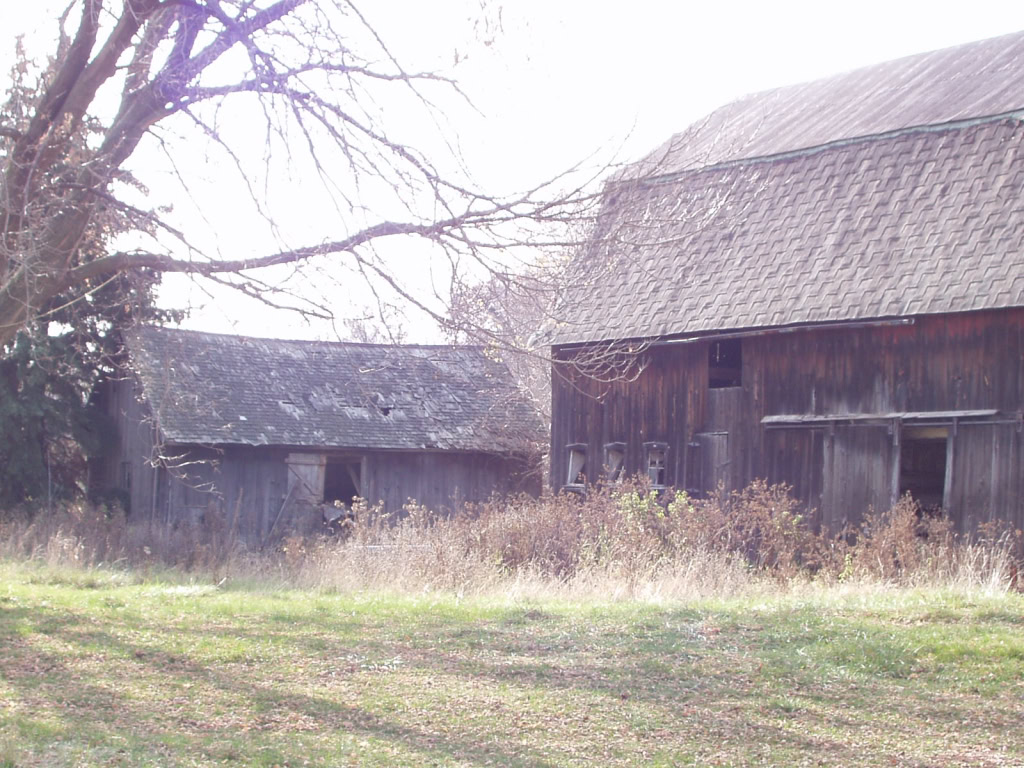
x=963, y=82
x=920, y=222
x=218, y=389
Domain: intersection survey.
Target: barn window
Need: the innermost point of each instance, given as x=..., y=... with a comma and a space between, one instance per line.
x=694, y=469
x=614, y=461
x=923, y=468
x=577, y=464
x=655, y=462
x=725, y=364
x=126, y=475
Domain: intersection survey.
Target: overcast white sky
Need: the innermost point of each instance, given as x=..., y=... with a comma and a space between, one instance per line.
x=565, y=78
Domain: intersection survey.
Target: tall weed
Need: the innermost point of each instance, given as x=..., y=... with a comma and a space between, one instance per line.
x=627, y=540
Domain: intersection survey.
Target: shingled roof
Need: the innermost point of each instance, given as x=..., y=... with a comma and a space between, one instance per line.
x=217, y=389
x=807, y=220
x=979, y=79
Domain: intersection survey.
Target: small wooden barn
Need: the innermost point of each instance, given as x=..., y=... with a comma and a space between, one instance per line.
x=821, y=285
x=271, y=429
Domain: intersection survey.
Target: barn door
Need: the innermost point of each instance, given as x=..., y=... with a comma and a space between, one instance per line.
x=306, y=476
x=300, y=510
x=986, y=476
x=710, y=463
x=861, y=473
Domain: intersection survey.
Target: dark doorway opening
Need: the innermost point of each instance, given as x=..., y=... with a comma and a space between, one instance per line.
x=923, y=465
x=342, y=481
x=725, y=364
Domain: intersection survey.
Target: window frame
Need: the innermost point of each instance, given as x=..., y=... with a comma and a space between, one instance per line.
x=650, y=449
x=573, y=479
x=614, y=474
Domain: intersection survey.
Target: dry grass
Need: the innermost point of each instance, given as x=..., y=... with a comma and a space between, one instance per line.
x=622, y=629
x=85, y=536
x=626, y=542
x=101, y=669
x=907, y=547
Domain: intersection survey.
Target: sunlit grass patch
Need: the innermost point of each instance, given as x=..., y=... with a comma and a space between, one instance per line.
x=159, y=673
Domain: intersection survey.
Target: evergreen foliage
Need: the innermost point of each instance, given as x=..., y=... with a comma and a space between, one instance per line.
x=49, y=423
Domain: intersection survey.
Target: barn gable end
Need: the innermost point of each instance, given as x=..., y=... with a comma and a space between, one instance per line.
x=260, y=429
x=826, y=290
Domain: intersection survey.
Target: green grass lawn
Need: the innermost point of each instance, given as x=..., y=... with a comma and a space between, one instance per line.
x=97, y=669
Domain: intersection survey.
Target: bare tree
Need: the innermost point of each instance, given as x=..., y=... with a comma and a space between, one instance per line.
x=316, y=75
x=509, y=312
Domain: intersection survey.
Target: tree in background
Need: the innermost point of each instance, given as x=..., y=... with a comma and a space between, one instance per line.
x=508, y=313
x=49, y=427
x=316, y=81
x=48, y=369
x=82, y=247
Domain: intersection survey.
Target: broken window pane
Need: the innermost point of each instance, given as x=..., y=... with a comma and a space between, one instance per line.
x=614, y=461
x=656, y=467
x=577, y=465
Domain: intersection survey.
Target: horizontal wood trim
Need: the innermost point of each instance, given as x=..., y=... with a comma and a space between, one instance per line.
x=784, y=419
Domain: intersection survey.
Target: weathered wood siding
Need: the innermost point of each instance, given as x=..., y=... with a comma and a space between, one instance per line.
x=251, y=483
x=125, y=464
x=663, y=405
x=857, y=472
x=940, y=363
x=441, y=480
x=988, y=468
x=255, y=482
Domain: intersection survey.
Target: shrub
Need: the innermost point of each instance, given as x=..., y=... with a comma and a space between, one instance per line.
x=762, y=522
x=906, y=545
x=625, y=540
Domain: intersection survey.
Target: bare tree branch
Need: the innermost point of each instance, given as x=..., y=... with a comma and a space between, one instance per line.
x=318, y=81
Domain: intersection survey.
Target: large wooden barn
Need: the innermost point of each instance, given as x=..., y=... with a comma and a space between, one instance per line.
x=822, y=285
x=270, y=429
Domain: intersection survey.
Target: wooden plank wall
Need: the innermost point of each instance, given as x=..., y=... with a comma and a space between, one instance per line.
x=988, y=474
x=662, y=405
x=249, y=480
x=952, y=362
x=441, y=480
x=133, y=448
x=857, y=474
x=438, y=480
x=797, y=458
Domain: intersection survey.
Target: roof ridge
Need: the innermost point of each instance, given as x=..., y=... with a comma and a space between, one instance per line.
x=863, y=68
x=952, y=125
x=968, y=81
x=241, y=337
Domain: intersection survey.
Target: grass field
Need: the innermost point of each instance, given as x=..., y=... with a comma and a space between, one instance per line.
x=101, y=668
